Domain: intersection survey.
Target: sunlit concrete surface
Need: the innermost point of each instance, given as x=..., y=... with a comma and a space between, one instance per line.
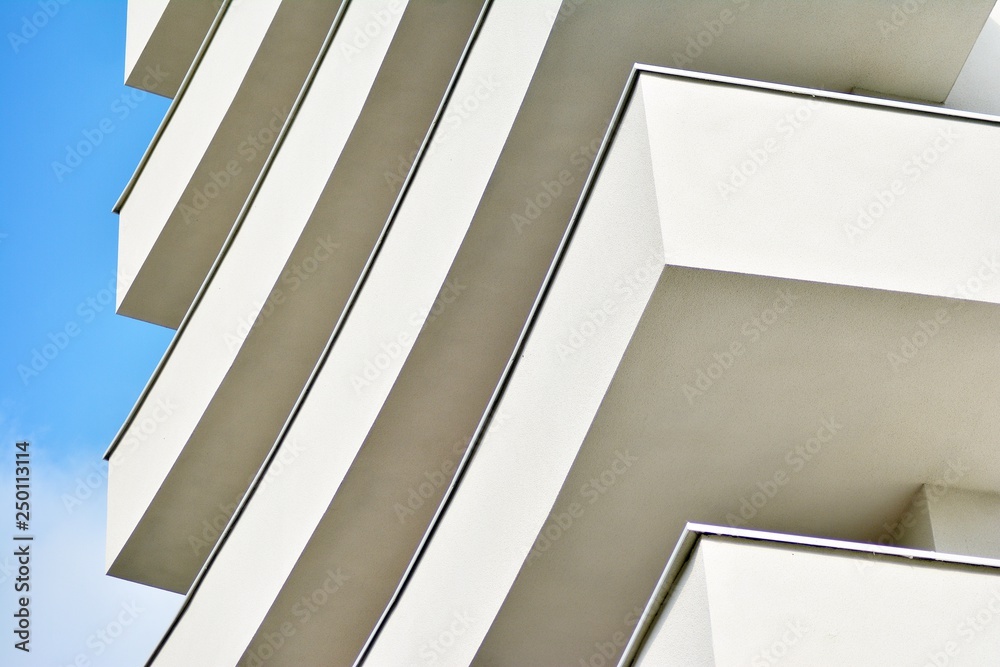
x=264, y=265
x=162, y=39
x=351, y=386
x=186, y=193
x=751, y=598
x=507, y=296
x=703, y=345
x=949, y=520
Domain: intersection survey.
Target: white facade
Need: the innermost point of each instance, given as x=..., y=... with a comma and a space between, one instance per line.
x=467, y=335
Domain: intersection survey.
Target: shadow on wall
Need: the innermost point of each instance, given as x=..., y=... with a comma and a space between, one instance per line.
x=976, y=88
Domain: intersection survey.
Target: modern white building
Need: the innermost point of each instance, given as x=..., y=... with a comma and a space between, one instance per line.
x=579, y=332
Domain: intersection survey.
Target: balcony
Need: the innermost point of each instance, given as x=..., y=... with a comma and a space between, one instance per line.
x=727, y=340
x=345, y=462
x=162, y=40
x=732, y=597
x=155, y=529
x=187, y=192
x=242, y=359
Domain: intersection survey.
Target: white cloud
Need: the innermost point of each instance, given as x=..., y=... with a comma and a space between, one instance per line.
x=80, y=616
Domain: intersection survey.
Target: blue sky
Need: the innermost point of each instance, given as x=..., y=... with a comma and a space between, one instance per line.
x=71, y=369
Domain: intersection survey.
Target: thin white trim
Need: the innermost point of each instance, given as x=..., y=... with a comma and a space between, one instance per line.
x=693, y=532
x=181, y=89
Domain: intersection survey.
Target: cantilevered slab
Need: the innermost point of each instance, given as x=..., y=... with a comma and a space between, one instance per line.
x=468, y=566
x=950, y=519
x=161, y=40
x=316, y=453
x=737, y=597
x=836, y=331
x=554, y=133
x=207, y=343
x=971, y=91
x=172, y=499
x=482, y=330
x=760, y=402
x=421, y=413
x=170, y=236
x=184, y=198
